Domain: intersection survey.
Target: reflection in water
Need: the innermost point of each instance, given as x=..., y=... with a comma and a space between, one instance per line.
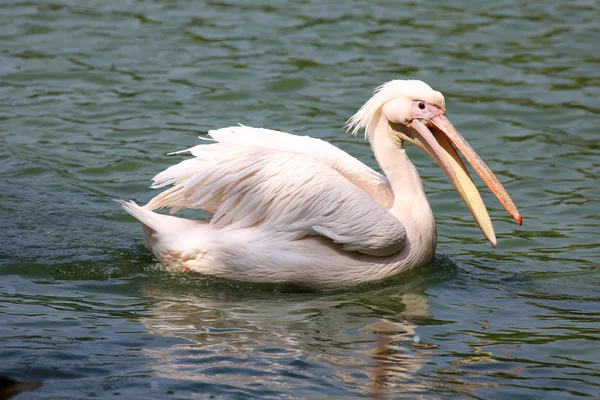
x=395, y=363
x=274, y=341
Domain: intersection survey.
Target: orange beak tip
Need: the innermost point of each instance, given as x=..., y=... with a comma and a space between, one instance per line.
x=520, y=220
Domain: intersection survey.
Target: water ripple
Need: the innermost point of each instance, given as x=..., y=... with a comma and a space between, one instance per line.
x=94, y=95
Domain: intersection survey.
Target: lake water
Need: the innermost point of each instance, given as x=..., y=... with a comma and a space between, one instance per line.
x=94, y=94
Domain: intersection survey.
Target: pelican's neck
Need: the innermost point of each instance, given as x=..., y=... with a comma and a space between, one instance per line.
x=410, y=202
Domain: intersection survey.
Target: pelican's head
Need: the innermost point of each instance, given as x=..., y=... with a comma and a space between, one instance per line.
x=416, y=114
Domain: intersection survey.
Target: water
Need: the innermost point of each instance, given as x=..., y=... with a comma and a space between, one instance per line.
x=93, y=96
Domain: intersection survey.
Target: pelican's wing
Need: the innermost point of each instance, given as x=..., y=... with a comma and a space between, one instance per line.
x=372, y=182
x=288, y=194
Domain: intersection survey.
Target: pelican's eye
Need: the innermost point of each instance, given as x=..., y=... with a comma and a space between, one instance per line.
x=422, y=105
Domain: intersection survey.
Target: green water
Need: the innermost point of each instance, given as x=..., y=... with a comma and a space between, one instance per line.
x=94, y=94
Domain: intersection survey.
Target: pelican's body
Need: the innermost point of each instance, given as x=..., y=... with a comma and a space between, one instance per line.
x=294, y=209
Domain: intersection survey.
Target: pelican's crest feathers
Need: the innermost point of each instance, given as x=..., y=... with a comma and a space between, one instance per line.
x=415, y=90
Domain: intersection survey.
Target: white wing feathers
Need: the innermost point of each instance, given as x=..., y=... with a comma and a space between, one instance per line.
x=249, y=183
x=372, y=182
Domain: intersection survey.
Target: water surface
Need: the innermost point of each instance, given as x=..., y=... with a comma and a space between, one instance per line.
x=94, y=94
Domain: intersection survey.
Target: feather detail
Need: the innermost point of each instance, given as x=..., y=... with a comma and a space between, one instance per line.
x=277, y=190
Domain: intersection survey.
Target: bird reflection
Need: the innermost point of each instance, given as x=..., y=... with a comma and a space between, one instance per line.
x=395, y=360
x=364, y=342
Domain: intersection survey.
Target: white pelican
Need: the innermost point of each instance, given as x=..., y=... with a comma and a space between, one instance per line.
x=295, y=209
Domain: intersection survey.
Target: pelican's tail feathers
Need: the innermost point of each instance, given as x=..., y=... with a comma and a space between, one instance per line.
x=147, y=217
x=151, y=221
x=160, y=228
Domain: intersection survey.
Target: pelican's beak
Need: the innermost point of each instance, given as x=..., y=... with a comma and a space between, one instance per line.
x=438, y=142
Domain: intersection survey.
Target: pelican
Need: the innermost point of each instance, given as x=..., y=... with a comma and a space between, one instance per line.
x=294, y=209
